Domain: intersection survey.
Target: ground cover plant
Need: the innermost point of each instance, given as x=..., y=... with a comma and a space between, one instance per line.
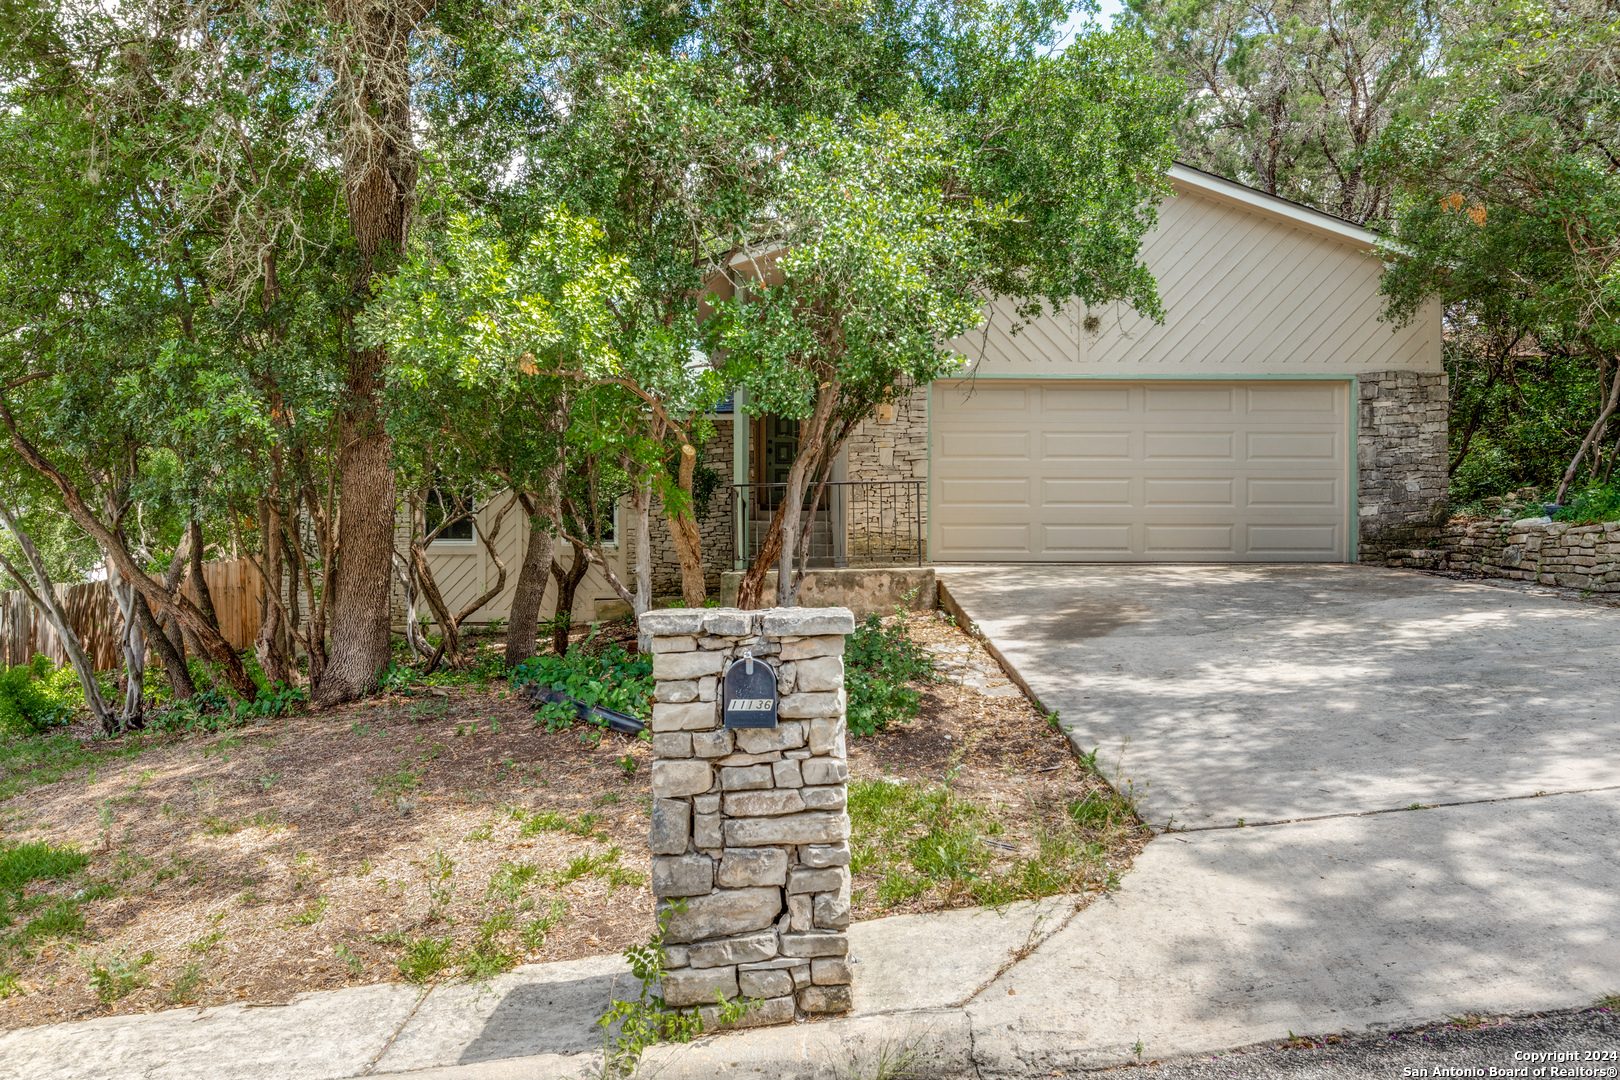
x=440, y=831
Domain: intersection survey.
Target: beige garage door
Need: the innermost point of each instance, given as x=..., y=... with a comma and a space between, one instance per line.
x=1139, y=471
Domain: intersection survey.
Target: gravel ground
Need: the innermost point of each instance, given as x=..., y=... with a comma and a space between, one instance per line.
x=1588, y=1042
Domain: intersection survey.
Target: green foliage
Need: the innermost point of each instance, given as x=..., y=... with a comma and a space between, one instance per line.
x=31, y=700
x=424, y=958
x=1599, y=504
x=649, y=1019
x=207, y=710
x=611, y=678
x=27, y=762
x=879, y=662
x=925, y=840
x=119, y=975
x=37, y=861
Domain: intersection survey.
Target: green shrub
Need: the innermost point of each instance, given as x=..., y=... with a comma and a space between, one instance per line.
x=1593, y=506
x=879, y=662
x=31, y=699
x=611, y=678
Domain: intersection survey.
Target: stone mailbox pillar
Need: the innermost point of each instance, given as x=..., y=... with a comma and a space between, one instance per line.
x=749, y=826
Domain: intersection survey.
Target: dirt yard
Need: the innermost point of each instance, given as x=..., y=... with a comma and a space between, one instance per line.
x=444, y=835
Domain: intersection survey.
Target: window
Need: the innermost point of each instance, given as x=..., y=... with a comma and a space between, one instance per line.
x=442, y=504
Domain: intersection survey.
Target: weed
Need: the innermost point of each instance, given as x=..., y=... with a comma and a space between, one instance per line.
x=351, y=961
x=9, y=986
x=611, y=678
x=438, y=871
x=62, y=919
x=223, y=748
x=483, y=832
x=535, y=930
x=1611, y=1002
x=310, y=915
x=627, y=765
x=649, y=1019
x=398, y=784
x=187, y=985
x=1139, y=1047
x=208, y=940
x=510, y=879
x=218, y=826
x=269, y=782
x=424, y=958
x=893, y=1059
x=118, y=976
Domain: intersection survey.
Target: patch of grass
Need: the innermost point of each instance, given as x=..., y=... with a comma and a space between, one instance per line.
x=23, y=863
x=510, y=879
x=603, y=865
x=926, y=841
x=586, y=826
x=1608, y=1001
x=63, y=919
x=351, y=961
x=485, y=957
x=424, y=958
x=29, y=761
x=397, y=784
x=208, y=941
x=187, y=985
x=533, y=933
x=9, y=986
x=118, y=976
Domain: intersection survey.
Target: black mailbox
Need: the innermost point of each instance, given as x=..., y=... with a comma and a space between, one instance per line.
x=748, y=695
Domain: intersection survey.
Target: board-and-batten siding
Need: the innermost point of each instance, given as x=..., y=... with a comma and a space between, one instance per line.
x=1245, y=293
x=463, y=570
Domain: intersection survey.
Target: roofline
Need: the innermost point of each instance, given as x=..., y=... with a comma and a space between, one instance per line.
x=1234, y=193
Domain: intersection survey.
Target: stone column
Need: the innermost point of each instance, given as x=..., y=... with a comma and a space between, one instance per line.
x=749, y=826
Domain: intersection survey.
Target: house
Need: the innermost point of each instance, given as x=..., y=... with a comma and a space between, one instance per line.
x=1273, y=416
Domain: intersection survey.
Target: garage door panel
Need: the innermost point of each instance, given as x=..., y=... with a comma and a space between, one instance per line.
x=988, y=491
x=1088, y=399
x=1293, y=445
x=987, y=399
x=1086, y=445
x=1194, y=399
x=1082, y=541
x=986, y=445
x=1143, y=472
x=1319, y=398
x=1286, y=541
x=1211, y=540
x=1188, y=445
x=1291, y=491
x=1115, y=491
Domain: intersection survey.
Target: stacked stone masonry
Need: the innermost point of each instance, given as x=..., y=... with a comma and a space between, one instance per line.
x=1531, y=549
x=1401, y=459
x=750, y=832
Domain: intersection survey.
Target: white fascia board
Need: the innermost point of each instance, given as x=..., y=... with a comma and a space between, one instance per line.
x=1194, y=182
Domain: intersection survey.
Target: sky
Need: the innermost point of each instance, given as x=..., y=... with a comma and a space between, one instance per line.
x=1107, y=9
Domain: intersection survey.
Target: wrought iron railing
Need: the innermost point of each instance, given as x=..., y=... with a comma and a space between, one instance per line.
x=854, y=522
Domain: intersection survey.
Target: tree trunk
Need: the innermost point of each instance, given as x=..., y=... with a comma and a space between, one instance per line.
x=269, y=644
x=1592, y=435
x=211, y=643
x=174, y=664
x=199, y=583
x=133, y=645
x=683, y=531
x=449, y=637
x=567, y=585
x=46, y=600
x=811, y=444
x=524, y=627
x=372, y=95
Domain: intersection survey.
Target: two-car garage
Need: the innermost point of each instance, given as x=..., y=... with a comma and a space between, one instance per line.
x=1076, y=470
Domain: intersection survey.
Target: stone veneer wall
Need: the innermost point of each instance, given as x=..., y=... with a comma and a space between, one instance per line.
x=896, y=449
x=715, y=526
x=1530, y=549
x=1401, y=451
x=749, y=825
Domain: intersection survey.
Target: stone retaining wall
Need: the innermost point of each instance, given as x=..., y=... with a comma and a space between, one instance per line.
x=1530, y=549
x=750, y=832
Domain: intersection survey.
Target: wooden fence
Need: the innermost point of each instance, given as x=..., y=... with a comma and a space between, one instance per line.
x=234, y=585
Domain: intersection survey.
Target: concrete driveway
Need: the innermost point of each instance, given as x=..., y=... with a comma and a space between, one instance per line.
x=1276, y=692
x=1344, y=695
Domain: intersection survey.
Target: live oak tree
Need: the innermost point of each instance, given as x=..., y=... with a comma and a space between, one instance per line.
x=1290, y=95
x=1510, y=206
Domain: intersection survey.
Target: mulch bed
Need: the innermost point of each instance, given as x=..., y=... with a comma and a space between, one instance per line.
x=306, y=853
